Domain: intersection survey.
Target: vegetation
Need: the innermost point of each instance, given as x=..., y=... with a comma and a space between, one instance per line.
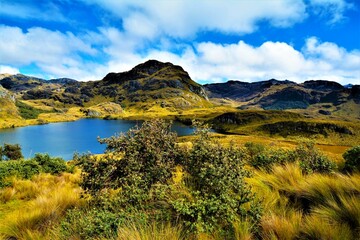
x=10, y=151
x=29, y=112
x=148, y=186
x=352, y=159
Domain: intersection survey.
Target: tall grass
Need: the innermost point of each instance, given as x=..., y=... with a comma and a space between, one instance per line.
x=150, y=231
x=44, y=200
x=314, y=206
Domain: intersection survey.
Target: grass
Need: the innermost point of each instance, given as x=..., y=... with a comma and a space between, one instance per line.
x=315, y=206
x=37, y=204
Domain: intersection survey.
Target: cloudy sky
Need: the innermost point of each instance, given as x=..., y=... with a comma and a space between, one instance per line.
x=214, y=40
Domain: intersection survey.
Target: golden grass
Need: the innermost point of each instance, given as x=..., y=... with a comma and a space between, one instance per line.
x=43, y=201
x=150, y=231
x=315, y=206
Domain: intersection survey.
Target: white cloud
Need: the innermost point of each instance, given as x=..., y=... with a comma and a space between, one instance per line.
x=57, y=53
x=244, y=62
x=8, y=69
x=185, y=18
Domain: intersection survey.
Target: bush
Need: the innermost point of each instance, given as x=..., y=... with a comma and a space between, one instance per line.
x=311, y=160
x=49, y=164
x=11, y=152
x=262, y=158
x=148, y=157
x=26, y=169
x=218, y=192
x=352, y=159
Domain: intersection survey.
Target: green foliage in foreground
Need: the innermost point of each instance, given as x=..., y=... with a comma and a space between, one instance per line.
x=352, y=159
x=135, y=179
x=25, y=169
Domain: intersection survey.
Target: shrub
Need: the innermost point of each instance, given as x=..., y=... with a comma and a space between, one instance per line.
x=311, y=160
x=352, y=159
x=262, y=158
x=218, y=192
x=49, y=164
x=147, y=157
x=11, y=152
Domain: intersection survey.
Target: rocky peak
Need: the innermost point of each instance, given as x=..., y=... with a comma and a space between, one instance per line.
x=323, y=85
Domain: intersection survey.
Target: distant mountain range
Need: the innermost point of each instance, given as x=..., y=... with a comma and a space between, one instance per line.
x=170, y=86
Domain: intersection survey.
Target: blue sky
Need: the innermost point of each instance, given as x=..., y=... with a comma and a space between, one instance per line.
x=214, y=40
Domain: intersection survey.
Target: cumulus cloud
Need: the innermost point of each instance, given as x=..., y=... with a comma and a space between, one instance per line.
x=218, y=62
x=54, y=52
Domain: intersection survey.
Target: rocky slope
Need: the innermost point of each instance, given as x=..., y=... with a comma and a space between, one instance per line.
x=280, y=95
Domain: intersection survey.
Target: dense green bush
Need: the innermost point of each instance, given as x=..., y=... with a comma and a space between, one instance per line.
x=90, y=223
x=52, y=165
x=352, y=159
x=26, y=169
x=263, y=158
x=11, y=152
x=218, y=192
x=311, y=160
x=148, y=157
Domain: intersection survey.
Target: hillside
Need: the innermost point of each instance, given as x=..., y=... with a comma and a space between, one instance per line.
x=319, y=97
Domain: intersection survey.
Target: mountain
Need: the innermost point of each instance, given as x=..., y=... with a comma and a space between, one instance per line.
x=153, y=82
x=149, y=84
x=159, y=85
x=279, y=95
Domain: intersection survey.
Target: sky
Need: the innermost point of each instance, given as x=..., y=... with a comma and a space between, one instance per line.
x=213, y=40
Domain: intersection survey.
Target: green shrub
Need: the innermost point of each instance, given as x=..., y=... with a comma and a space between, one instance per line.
x=11, y=152
x=352, y=159
x=20, y=168
x=26, y=169
x=262, y=158
x=311, y=160
x=218, y=192
x=50, y=165
x=148, y=157
x=89, y=223
x=29, y=112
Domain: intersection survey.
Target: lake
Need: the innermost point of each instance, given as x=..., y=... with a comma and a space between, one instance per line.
x=65, y=138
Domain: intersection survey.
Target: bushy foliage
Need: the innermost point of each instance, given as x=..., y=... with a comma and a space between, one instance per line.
x=352, y=159
x=25, y=169
x=11, y=152
x=218, y=192
x=311, y=160
x=263, y=158
x=135, y=161
x=136, y=174
x=89, y=223
x=52, y=165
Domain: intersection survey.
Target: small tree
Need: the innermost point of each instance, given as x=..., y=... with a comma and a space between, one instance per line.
x=12, y=151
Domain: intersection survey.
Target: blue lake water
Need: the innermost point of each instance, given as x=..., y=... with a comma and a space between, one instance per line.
x=66, y=138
